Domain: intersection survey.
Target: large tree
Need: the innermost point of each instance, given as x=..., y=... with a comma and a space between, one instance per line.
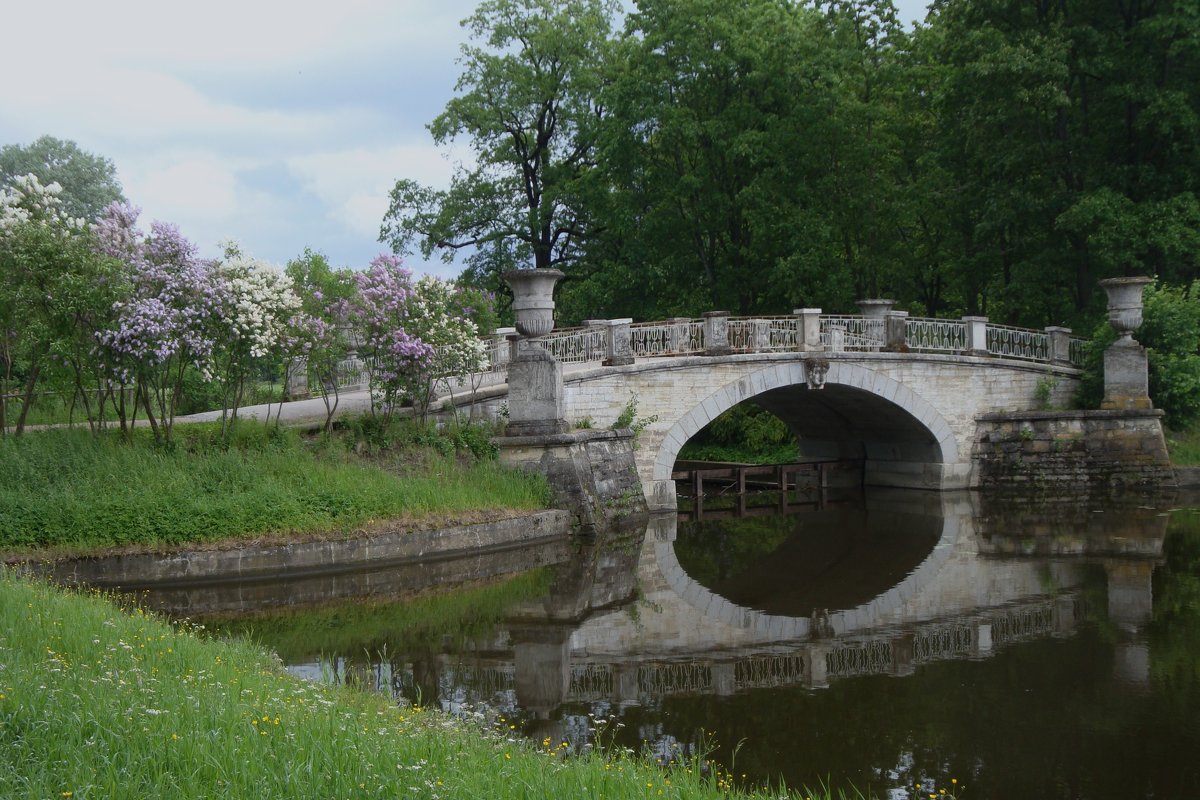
x=527, y=107
x=1068, y=132
x=89, y=182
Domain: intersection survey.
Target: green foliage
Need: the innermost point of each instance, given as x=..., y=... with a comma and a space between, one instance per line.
x=1044, y=392
x=1184, y=446
x=69, y=489
x=1171, y=332
x=89, y=181
x=526, y=103
x=629, y=420
x=746, y=434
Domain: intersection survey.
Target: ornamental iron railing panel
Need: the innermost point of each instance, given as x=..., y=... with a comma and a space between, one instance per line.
x=765, y=671
x=576, y=345
x=1022, y=343
x=674, y=677
x=870, y=657
x=591, y=682
x=649, y=339
x=937, y=642
x=859, y=333
x=927, y=334
x=764, y=334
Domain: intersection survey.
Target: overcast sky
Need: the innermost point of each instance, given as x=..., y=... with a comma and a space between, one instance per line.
x=278, y=125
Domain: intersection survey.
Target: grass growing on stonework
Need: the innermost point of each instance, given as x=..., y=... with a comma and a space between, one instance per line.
x=99, y=703
x=1184, y=446
x=69, y=490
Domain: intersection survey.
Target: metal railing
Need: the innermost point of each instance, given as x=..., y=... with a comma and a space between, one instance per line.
x=1022, y=343
x=931, y=335
x=670, y=338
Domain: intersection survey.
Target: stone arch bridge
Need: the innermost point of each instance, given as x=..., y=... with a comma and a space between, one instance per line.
x=900, y=394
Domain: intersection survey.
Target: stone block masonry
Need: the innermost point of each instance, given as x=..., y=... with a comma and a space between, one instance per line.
x=591, y=472
x=1049, y=451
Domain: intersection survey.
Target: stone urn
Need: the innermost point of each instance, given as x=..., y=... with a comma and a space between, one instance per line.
x=1125, y=303
x=533, y=299
x=875, y=308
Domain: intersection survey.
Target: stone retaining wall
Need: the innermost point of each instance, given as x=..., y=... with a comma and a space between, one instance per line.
x=1092, y=450
x=248, y=560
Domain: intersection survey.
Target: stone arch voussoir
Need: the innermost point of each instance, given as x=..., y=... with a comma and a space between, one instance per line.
x=792, y=374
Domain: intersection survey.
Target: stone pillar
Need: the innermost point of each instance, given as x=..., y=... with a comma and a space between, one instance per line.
x=1060, y=344
x=716, y=333
x=895, y=334
x=535, y=383
x=619, y=351
x=1126, y=377
x=976, y=335
x=837, y=339
x=874, y=312
x=501, y=346
x=1130, y=592
x=983, y=639
x=296, y=380
x=808, y=330
x=597, y=332
x=535, y=393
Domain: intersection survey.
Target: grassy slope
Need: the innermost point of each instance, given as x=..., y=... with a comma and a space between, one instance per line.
x=69, y=490
x=96, y=703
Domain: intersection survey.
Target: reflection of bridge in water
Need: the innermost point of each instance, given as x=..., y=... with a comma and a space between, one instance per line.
x=627, y=626
x=646, y=681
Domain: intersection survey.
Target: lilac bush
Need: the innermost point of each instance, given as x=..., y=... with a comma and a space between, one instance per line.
x=382, y=313
x=170, y=320
x=258, y=322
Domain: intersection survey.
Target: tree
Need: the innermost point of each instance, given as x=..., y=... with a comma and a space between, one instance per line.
x=1068, y=132
x=89, y=182
x=527, y=106
x=54, y=289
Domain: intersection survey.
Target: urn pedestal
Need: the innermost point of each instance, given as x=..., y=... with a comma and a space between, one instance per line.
x=1126, y=374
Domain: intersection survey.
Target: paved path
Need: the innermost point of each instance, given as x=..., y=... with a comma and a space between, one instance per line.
x=311, y=410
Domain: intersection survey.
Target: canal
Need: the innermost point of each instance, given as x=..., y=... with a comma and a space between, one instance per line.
x=898, y=642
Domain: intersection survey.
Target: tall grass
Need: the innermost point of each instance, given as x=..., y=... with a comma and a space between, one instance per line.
x=69, y=489
x=96, y=703
x=1184, y=446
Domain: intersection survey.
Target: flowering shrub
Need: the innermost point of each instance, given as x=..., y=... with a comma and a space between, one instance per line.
x=415, y=336
x=51, y=285
x=382, y=312
x=171, y=318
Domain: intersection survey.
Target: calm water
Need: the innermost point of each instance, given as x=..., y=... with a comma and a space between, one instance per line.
x=885, y=642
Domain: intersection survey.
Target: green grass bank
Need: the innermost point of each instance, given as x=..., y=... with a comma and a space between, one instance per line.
x=70, y=491
x=96, y=702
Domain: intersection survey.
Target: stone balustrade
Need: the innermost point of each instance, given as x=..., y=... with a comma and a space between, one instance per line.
x=620, y=341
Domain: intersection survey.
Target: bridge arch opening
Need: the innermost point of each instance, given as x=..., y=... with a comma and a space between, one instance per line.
x=856, y=414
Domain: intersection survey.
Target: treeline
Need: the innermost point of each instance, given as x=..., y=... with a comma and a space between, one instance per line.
x=999, y=159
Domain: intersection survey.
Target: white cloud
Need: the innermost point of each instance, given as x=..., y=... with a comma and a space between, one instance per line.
x=355, y=184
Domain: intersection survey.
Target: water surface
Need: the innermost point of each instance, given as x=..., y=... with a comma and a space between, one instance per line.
x=885, y=642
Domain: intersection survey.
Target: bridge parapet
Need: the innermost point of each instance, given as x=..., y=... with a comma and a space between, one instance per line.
x=617, y=342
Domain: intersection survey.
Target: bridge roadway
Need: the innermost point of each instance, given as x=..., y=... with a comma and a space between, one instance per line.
x=903, y=399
